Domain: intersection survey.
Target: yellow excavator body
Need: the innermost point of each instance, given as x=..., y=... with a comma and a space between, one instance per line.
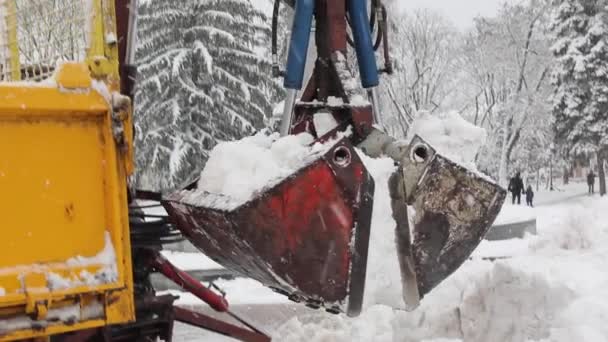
x=65, y=155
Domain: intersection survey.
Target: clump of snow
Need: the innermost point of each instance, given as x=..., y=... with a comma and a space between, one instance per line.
x=105, y=260
x=236, y=171
x=45, y=83
x=103, y=90
x=110, y=38
x=324, y=122
x=69, y=315
x=450, y=135
x=510, y=213
x=335, y=101
x=107, y=256
x=108, y=272
x=2, y=292
x=359, y=101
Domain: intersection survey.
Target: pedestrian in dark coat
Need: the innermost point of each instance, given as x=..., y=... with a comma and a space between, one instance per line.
x=591, y=181
x=516, y=187
x=530, y=196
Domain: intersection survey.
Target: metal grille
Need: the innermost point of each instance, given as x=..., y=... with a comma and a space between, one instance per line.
x=35, y=35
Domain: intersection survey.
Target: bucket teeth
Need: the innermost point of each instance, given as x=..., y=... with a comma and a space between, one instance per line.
x=454, y=208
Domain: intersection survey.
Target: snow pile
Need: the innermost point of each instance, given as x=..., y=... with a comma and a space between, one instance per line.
x=555, y=291
x=236, y=171
x=510, y=213
x=452, y=136
x=581, y=227
x=483, y=302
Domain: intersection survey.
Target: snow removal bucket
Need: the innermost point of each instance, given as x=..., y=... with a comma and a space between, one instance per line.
x=305, y=237
x=451, y=208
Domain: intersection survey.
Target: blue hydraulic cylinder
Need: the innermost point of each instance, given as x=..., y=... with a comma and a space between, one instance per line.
x=298, y=46
x=362, y=35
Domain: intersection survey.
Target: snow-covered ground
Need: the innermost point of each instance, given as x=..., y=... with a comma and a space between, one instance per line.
x=553, y=288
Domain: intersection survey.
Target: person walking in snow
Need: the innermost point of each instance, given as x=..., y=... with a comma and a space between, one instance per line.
x=530, y=196
x=591, y=181
x=516, y=187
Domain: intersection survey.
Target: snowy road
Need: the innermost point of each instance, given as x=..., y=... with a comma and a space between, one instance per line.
x=555, y=289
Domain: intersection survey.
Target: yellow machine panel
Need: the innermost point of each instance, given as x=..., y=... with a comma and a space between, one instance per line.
x=65, y=155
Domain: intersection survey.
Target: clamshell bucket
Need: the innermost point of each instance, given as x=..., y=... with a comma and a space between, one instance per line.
x=306, y=237
x=451, y=210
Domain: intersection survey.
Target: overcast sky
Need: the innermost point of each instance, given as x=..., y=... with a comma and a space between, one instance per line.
x=461, y=12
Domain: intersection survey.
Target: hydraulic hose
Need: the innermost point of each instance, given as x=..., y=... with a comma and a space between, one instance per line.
x=298, y=46
x=296, y=60
x=276, y=70
x=364, y=46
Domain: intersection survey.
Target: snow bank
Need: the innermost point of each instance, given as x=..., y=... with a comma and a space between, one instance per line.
x=484, y=302
x=236, y=171
x=579, y=227
x=451, y=135
x=514, y=213
x=555, y=289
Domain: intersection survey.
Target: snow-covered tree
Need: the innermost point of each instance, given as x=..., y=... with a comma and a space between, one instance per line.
x=202, y=79
x=580, y=101
x=47, y=31
x=423, y=47
x=507, y=59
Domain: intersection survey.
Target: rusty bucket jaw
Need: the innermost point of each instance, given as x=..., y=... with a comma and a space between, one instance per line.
x=306, y=237
x=454, y=208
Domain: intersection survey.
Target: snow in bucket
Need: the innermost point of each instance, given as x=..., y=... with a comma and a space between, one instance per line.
x=239, y=170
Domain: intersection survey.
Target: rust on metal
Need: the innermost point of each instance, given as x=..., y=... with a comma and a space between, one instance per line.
x=305, y=237
x=454, y=210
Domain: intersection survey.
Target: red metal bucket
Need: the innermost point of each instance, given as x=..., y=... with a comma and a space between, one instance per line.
x=307, y=237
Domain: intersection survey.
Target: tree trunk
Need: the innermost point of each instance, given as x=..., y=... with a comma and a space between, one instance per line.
x=537, y=179
x=566, y=175
x=503, y=171
x=600, y=172
x=503, y=167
